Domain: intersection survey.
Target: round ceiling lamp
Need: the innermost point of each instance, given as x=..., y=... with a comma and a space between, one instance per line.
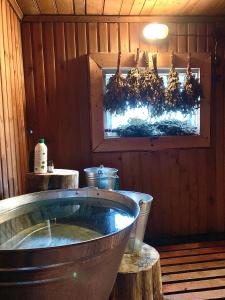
x=155, y=31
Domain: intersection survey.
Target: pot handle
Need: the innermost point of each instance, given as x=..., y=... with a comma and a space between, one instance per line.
x=141, y=202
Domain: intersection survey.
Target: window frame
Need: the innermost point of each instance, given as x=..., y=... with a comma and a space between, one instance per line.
x=98, y=61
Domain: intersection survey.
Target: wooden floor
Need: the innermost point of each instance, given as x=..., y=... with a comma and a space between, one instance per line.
x=193, y=271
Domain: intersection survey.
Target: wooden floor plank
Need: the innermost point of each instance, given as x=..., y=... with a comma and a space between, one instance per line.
x=190, y=259
x=193, y=271
x=193, y=275
x=190, y=246
x=214, y=294
x=193, y=267
x=190, y=252
x=193, y=285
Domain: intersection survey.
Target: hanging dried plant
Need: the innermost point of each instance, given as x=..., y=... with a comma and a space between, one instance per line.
x=173, y=97
x=192, y=91
x=152, y=87
x=133, y=85
x=115, y=94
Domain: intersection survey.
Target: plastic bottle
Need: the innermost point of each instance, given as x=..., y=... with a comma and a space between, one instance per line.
x=40, y=157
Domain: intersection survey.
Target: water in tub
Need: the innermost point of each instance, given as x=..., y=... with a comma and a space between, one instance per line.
x=58, y=222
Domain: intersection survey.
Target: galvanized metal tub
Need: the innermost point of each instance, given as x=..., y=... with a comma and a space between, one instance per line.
x=83, y=270
x=137, y=235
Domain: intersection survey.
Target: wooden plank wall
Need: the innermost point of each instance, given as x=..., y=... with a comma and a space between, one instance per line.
x=13, y=155
x=188, y=185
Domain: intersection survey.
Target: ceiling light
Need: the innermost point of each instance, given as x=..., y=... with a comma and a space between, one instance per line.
x=155, y=31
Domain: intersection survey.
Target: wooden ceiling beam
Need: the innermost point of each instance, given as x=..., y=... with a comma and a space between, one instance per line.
x=122, y=19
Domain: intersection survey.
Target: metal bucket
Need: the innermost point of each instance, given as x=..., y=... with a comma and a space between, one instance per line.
x=102, y=177
x=137, y=235
x=84, y=269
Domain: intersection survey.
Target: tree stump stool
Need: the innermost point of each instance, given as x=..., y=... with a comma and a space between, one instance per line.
x=59, y=179
x=139, y=277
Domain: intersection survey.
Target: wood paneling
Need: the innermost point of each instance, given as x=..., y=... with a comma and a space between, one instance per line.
x=123, y=19
x=12, y=104
x=187, y=184
x=124, y=7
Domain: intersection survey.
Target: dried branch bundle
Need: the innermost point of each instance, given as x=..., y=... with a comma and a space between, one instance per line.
x=133, y=85
x=173, y=97
x=152, y=88
x=191, y=93
x=115, y=94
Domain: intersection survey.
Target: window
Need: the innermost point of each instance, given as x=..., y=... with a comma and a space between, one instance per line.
x=104, y=126
x=172, y=123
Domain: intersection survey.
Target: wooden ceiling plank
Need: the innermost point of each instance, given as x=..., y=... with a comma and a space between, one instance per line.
x=210, y=7
x=147, y=7
x=169, y=7
x=47, y=6
x=65, y=7
x=28, y=7
x=79, y=7
x=16, y=8
x=202, y=7
x=94, y=7
x=126, y=7
x=137, y=7
x=221, y=7
x=112, y=7
x=188, y=7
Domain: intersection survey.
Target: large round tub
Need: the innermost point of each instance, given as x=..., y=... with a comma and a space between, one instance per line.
x=64, y=244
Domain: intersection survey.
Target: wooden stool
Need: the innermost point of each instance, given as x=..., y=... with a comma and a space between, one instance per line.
x=59, y=179
x=139, y=277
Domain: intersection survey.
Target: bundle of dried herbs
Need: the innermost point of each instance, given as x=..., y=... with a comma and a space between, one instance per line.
x=192, y=91
x=152, y=88
x=134, y=128
x=115, y=94
x=173, y=97
x=141, y=128
x=175, y=127
x=132, y=87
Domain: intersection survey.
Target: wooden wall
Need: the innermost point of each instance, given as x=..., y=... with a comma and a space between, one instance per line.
x=188, y=185
x=12, y=104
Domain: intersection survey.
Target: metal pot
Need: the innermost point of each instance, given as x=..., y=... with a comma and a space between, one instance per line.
x=41, y=259
x=137, y=235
